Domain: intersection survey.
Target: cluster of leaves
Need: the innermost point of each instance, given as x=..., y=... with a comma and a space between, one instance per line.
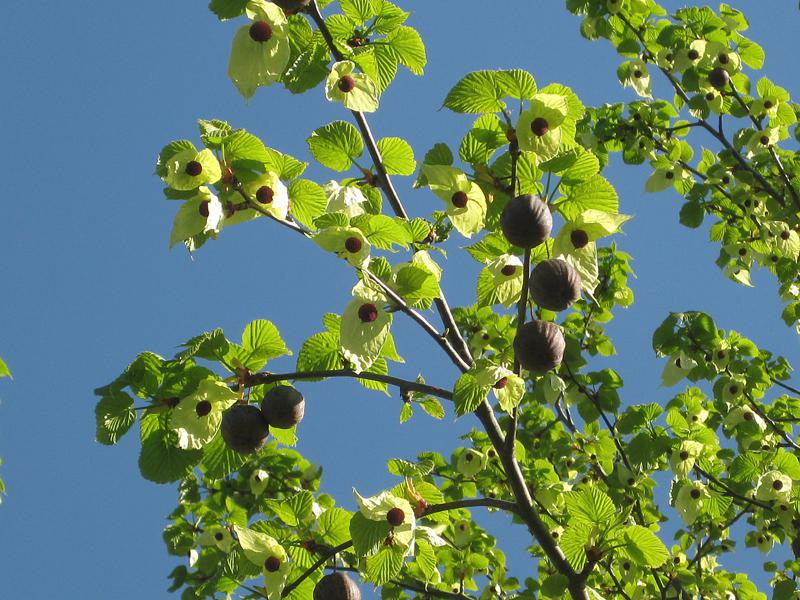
x=750, y=186
x=583, y=484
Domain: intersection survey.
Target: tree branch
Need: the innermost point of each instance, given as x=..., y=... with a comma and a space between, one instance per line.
x=334, y=551
x=403, y=384
x=488, y=502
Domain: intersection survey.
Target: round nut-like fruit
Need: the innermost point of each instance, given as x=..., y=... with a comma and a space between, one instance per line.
x=193, y=168
x=337, y=586
x=718, y=77
x=244, y=428
x=539, y=346
x=346, y=84
x=260, y=31
x=395, y=516
x=555, y=284
x=526, y=221
x=283, y=407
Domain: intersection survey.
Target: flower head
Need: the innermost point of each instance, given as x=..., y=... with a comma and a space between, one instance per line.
x=465, y=203
x=197, y=417
x=189, y=169
x=260, y=50
x=539, y=127
x=346, y=199
x=357, y=91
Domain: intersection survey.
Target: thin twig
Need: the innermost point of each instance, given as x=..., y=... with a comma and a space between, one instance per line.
x=403, y=384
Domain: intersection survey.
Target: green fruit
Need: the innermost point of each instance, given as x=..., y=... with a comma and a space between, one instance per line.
x=539, y=346
x=283, y=407
x=555, y=284
x=526, y=221
x=244, y=428
x=718, y=77
x=336, y=586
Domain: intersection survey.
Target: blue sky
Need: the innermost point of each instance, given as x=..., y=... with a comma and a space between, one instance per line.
x=90, y=95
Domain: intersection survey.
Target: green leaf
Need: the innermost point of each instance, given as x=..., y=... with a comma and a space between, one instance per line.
x=590, y=505
x=308, y=69
x=263, y=341
x=751, y=53
x=433, y=407
x=227, y=9
x=160, y=459
x=336, y=145
x=406, y=468
x=477, y=92
x=368, y=536
x=408, y=48
x=383, y=566
x=320, y=352
x=334, y=526
x=168, y=152
x=468, y=394
x=516, y=83
x=4, y=370
x=287, y=437
x=490, y=247
x=644, y=547
x=573, y=543
x=243, y=146
x=397, y=155
x=406, y=412
x=416, y=285
x=219, y=460
x=596, y=193
x=307, y=201
x=379, y=367
x=359, y=11
x=383, y=231
x=114, y=415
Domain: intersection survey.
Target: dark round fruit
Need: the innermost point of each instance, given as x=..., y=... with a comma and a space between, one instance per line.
x=777, y=485
x=683, y=455
x=336, y=586
x=367, y=313
x=272, y=564
x=203, y=208
x=747, y=416
x=264, y=194
x=693, y=54
x=710, y=96
x=193, y=168
x=244, y=428
x=785, y=235
x=540, y=126
x=637, y=73
x=695, y=493
x=555, y=284
x=733, y=389
x=459, y=199
x=352, y=244
x=346, y=84
x=218, y=536
x=539, y=346
x=501, y=383
x=723, y=58
x=526, y=221
x=203, y=408
x=764, y=140
x=509, y=270
x=718, y=77
x=669, y=175
x=260, y=31
x=283, y=407
x=768, y=104
x=396, y=516
x=579, y=239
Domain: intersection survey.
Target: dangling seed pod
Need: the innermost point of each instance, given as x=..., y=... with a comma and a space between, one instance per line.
x=539, y=346
x=526, y=221
x=283, y=407
x=337, y=586
x=555, y=284
x=244, y=428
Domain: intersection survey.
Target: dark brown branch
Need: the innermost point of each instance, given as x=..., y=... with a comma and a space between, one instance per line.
x=403, y=384
x=334, y=551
